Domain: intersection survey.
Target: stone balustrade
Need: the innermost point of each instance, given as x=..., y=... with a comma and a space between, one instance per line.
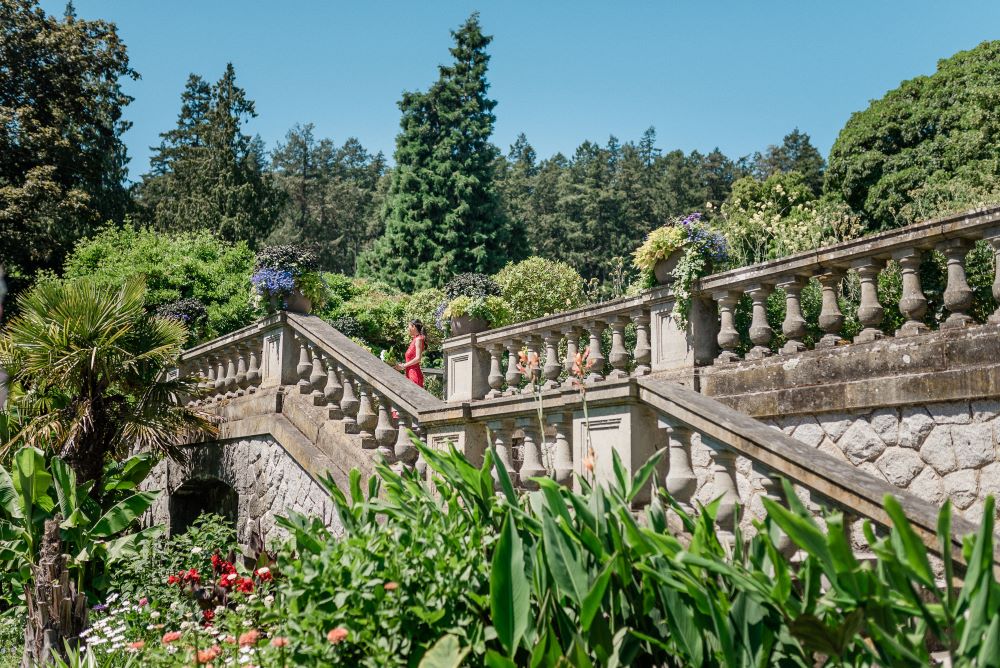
x=306, y=355
x=954, y=236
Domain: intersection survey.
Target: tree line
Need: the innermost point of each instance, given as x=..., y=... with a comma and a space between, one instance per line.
x=452, y=201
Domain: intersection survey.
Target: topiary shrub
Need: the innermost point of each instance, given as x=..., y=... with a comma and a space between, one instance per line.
x=537, y=287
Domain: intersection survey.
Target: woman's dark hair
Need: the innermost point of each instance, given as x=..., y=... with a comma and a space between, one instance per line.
x=418, y=325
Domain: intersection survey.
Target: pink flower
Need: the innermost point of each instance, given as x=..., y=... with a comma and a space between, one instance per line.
x=249, y=638
x=171, y=637
x=390, y=586
x=279, y=641
x=336, y=635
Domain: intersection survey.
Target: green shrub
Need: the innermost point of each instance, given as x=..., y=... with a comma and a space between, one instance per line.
x=378, y=312
x=537, y=287
x=176, y=266
x=423, y=306
x=471, y=285
x=494, y=310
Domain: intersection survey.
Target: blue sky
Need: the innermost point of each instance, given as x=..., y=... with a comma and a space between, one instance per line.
x=737, y=75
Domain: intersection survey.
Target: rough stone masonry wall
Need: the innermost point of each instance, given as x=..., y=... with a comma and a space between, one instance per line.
x=265, y=477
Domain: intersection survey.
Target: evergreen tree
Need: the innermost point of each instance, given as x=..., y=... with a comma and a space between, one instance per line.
x=443, y=215
x=796, y=154
x=62, y=160
x=207, y=173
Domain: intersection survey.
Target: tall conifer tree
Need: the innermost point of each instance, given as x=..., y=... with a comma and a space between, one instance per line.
x=443, y=215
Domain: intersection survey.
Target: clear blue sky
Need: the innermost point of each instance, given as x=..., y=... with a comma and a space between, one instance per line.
x=737, y=75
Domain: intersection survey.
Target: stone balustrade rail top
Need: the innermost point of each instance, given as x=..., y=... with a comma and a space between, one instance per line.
x=974, y=224
x=565, y=319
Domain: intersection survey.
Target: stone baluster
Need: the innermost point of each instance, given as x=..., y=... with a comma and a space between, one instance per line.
x=681, y=482
x=596, y=356
x=501, y=432
x=208, y=387
x=724, y=485
x=562, y=450
x=513, y=374
x=495, y=378
x=794, y=325
x=349, y=403
x=204, y=370
x=912, y=304
x=220, y=376
x=367, y=418
x=241, y=369
x=831, y=320
x=317, y=377
x=532, y=368
x=870, y=311
x=760, y=331
x=531, y=464
x=230, y=385
x=774, y=491
x=619, y=356
x=304, y=367
x=994, y=238
x=958, y=294
x=333, y=391
x=253, y=372
x=729, y=338
x=385, y=433
x=404, y=450
x=643, y=351
x=572, y=335
x=552, y=367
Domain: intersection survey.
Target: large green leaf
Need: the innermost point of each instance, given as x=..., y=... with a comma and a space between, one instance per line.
x=65, y=484
x=509, y=588
x=122, y=514
x=563, y=559
x=592, y=601
x=9, y=496
x=130, y=473
x=447, y=652
x=31, y=480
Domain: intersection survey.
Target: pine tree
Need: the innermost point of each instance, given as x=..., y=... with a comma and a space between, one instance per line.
x=207, y=173
x=443, y=215
x=796, y=154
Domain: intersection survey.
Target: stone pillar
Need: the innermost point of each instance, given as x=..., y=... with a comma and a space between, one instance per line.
x=317, y=377
x=729, y=338
x=775, y=492
x=495, y=379
x=870, y=311
x=333, y=391
x=794, y=325
x=619, y=353
x=241, y=368
x=500, y=431
x=994, y=238
x=230, y=384
x=531, y=464
x=404, y=450
x=831, y=320
x=513, y=375
x=643, y=350
x=572, y=348
x=220, y=375
x=958, y=294
x=366, y=417
x=760, y=331
x=562, y=452
x=253, y=372
x=724, y=485
x=304, y=367
x=912, y=304
x=532, y=369
x=552, y=368
x=348, y=402
x=385, y=433
x=681, y=482
x=596, y=356
x=468, y=367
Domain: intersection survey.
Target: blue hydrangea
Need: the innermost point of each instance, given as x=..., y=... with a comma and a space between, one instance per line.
x=273, y=281
x=708, y=242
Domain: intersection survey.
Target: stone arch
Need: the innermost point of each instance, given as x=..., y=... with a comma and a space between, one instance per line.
x=199, y=495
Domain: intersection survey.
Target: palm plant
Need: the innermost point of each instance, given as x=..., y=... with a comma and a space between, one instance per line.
x=87, y=368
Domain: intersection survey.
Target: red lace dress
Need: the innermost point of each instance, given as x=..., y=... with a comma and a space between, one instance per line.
x=413, y=372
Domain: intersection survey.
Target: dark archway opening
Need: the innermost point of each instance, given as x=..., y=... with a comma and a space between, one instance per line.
x=201, y=496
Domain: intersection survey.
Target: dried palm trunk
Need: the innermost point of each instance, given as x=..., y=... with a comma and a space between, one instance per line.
x=57, y=613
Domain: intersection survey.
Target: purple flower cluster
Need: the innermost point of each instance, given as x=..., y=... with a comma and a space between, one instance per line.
x=273, y=281
x=708, y=242
x=439, y=315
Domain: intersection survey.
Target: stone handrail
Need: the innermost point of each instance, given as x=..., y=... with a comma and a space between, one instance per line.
x=953, y=235
x=303, y=353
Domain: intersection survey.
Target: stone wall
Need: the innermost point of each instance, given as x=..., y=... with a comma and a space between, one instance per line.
x=267, y=480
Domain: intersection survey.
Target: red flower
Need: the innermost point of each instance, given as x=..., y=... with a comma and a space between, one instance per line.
x=191, y=576
x=172, y=580
x=216, y=562
x=171, y=637
x=264, y=573
x=143, y=601
x=244, y=585
x=208, y=615
x=279, y=641
x=249, y=638
x=336, y=635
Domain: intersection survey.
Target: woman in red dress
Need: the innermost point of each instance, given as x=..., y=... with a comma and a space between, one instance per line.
x=411, y=367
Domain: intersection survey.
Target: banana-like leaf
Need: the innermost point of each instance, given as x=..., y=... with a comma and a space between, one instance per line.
x=122, y=514
x=510, y=602
x=447, y=652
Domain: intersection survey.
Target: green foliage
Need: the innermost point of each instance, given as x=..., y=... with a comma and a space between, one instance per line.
x=443, y=214
x=176, y=266
x=471, y=285
x=796, y=154
x=494, y=310
x=536, y=287
x=937, y=133
x=659, y=245
x=207, y=174
x=62, y=159
x=377, y=311
x=422, y=306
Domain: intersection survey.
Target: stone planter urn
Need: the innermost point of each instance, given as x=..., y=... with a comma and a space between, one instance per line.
x=663, y=269
x=298, y=303
x=466, y=324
